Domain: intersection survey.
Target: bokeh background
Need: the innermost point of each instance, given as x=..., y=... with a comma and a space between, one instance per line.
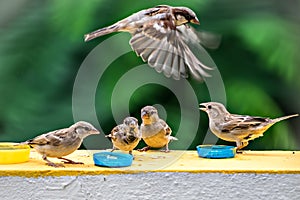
x=42, y=48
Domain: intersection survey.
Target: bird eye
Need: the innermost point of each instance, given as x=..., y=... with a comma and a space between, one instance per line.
x=209, y=106
x=188, y=17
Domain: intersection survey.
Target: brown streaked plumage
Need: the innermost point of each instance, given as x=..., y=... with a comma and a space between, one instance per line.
x=237, y=128
x=62, y=142
x=161, y=36
x=155, y=132
x=126, y=136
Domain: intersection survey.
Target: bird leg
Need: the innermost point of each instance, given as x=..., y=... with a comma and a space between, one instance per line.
x=240, y=145
x=130, y=152
x=68, y=161
x=167, y=149
x=144, y=149
x=114, y=148
x=52, y=164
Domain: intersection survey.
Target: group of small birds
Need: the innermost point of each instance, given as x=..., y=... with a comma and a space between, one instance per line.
x=154, y=131
x=160, y=35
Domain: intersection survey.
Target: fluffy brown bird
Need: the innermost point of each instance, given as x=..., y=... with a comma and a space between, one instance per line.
x=155, y=132
x=237, y=128
x=62, y=142
x=161, y=36
x=126, y=136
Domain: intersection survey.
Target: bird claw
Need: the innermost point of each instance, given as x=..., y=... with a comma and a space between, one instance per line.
x=239, y=151
x=73, y=162
x=144, y=149
x=165, y=150
x=56, y=165
x=68, y=161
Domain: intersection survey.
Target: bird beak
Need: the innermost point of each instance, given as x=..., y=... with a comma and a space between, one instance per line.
x=145, y=115
x=132, y=124
x=195, y=21
x=94, y=131
x=146, y=118
x=203, y=107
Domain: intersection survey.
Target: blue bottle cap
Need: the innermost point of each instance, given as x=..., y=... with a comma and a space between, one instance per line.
x=112, y=159
x=216, y=151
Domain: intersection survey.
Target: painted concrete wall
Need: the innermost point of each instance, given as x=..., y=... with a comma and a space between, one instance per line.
x=154, y=186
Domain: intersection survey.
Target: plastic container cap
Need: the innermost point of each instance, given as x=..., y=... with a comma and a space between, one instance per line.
x=216, y=151
x=11, y=153
x=112, y=159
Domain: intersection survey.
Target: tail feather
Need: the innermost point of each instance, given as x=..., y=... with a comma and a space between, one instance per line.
x=172, y=138
x=284, y=117
x=100, y=32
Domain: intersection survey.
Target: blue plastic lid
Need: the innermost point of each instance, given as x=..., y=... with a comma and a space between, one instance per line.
x=216, y=151
x=112, y=159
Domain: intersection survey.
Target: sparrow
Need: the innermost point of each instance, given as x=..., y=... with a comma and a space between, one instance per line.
x=155, y=132
x=237, y=128
x=126, y=136
x=161, y=36
x=62, y=142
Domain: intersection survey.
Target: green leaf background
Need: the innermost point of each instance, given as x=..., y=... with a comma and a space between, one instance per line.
x=42, y=49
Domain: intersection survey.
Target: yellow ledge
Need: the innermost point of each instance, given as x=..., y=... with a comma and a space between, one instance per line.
x=155, y=161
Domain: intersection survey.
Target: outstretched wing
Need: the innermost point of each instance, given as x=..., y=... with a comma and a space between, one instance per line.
x=166, y=49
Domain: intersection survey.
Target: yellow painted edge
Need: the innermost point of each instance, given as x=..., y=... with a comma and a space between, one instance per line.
x=109, y=172
x=187, y=157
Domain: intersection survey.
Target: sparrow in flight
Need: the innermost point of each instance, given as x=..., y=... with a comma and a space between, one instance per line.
x=161, y=36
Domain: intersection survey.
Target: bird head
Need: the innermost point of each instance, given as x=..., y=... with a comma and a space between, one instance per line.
x=131, y=122
x=149, y=114
x=213, y=109
x=184, y=15
x=84, y=129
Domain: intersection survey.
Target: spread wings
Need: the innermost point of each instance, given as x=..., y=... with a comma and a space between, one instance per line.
x=168, y=49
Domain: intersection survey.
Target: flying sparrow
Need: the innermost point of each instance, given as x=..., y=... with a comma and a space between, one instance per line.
x=237, y=128
x=155, y=132
x=161, y=36
x=62, y=142
x=126, y=136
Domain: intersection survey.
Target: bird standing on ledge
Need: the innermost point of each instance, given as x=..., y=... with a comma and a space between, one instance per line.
x=160, y=35
x=237, y=128
x=62, y=142
x=126, y=136
x=155, y=132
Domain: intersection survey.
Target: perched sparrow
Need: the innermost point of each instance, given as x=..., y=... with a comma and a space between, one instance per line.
x=160, y=35
x=62, y=142
x=237, y=128
x=126, y=136
x=155, y=132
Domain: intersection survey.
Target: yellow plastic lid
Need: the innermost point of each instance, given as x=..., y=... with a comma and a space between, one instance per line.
x=11, y=153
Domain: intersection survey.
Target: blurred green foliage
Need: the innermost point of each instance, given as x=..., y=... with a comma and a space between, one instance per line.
x=42, y=49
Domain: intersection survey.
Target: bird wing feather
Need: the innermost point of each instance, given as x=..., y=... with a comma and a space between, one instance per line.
x=243, y=122
x=53, y=138
x=165, y=48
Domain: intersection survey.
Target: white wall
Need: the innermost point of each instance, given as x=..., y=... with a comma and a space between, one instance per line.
x=154, y=186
